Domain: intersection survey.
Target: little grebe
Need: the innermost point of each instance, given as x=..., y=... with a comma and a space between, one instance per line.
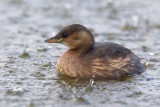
x=90, y=59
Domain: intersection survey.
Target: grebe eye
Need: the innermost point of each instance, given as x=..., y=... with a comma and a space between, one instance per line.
x=65, y=35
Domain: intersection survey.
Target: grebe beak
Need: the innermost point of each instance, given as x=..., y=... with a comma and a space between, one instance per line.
x=54, y=40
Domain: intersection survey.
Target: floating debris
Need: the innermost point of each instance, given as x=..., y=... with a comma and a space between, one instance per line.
x=24, y=55
x=145, y=48
x=128, y=27
x=38, y=74
x=41, y=49
x=47, y=65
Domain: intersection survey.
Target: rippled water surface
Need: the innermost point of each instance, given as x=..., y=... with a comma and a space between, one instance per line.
x=27, y=64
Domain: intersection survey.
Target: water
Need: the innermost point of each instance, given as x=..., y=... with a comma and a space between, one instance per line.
x=27, y=64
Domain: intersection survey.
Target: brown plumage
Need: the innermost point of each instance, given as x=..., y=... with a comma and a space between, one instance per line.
x=90, y=59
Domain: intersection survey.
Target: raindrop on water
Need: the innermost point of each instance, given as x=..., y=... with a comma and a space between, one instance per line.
x=91, y=82
x=147, y=63
x=18, y=89
x=135, y=19
x=49, y=46
x=151, y=54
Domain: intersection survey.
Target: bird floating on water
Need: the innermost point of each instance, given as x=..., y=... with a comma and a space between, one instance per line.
x=89, y=59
